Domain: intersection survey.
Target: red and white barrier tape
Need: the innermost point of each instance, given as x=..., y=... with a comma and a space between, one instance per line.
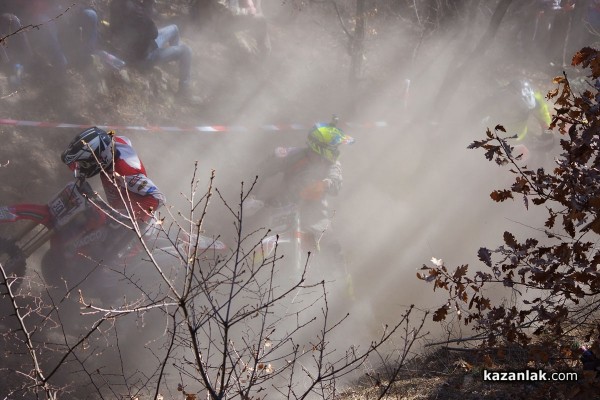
x=204, y=128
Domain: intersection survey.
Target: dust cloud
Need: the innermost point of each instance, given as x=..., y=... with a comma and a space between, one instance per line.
x=412, y=190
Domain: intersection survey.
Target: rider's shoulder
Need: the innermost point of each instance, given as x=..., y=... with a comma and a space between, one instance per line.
x=123, y=140
x=128, y=162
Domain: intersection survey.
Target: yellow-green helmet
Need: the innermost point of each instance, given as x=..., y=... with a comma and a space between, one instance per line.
x=324, y=140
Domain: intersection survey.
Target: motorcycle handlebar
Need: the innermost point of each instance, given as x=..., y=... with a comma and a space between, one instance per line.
x=85, y=188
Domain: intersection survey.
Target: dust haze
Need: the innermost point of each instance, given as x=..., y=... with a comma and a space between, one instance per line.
x=412, y=190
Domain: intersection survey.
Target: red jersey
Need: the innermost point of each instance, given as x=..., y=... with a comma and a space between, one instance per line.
x=131, y=188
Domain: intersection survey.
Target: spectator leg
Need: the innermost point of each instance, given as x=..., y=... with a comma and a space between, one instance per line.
x=169, y=35
x=180, y=53
x=89, y=30
x=80, y=37
x=4, y=59
x=55, y=52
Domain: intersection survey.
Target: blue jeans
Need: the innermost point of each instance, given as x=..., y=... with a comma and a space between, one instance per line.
x=169, y=49
x=80, y=36
x=88, y=22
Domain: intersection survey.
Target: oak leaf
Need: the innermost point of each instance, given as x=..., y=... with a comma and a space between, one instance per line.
x=501, y=195
x=440, y=314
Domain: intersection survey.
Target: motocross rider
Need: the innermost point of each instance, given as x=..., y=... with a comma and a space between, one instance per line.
x=128, y=188
x=512, y=106
x=309, y=175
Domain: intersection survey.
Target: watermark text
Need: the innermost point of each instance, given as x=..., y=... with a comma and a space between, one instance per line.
x=528, y=375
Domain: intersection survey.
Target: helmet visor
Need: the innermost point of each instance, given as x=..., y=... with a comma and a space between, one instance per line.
x=345, y=139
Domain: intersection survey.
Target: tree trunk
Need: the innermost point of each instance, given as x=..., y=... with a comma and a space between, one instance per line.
x=357, y=43
x=458, y=70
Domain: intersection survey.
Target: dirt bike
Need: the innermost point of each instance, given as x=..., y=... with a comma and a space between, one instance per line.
x=293, y=240
x=79, y=232
x=284, y=222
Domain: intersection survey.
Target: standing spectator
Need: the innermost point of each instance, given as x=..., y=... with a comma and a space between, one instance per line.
x=56, y=20
x=15, y=51
x=45, y=39
x=79, y=32
x=139, y=42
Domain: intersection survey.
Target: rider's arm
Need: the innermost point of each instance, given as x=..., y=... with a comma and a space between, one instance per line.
x=334, y=179
x=134, y=192
x=330, y=185
x=132, y=183
x=142, y=185
x=144, y=192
